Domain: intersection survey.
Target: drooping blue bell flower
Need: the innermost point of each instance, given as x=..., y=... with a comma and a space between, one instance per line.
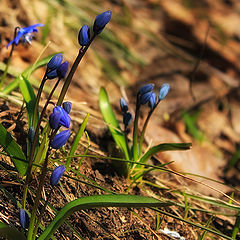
x=84, y=35
x=25, y=34
x=31, y=133
x=54, y=119
x=62, y=69
x=146, y=88
x=53, y=74
x=163, y=91
x=152, y=100
x=123, y=105
x=67, y=106
x=144, y=98
x=55, y=61
x=57, y=174
x=100, y=21
x=24, y=218
x=60, y=139
x=65, y=120
x=127, y=118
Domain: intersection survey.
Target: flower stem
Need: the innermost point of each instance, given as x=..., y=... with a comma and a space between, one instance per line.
x=34, y=144
x=135, y=131
x=68, y=80
x=3, y=78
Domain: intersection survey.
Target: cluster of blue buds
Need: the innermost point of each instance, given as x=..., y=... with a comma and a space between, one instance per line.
x=100, y=22
x=59, y=118
x=55, y=67
x=24, y=218
x=57, y=174
x=25, y=34
x=146, y=95
x=127, y=116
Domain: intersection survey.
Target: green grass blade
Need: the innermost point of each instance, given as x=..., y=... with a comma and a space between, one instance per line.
x=13, y=149
x=76, y=140
x=164, y=147
x=10, y=233
x=99, y=201
x=114, y=128
x=29, y=97
x=10, y=87
x=236, y=227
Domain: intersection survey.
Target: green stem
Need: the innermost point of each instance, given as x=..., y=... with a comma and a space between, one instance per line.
x=9, y=60
x=145, y=126
x=38, y=100
x=33, y=145
x=68, y=80
x=41, y=214
x=30, y=235
x=135, y=131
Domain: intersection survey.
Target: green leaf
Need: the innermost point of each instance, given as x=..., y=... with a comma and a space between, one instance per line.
x=164, y=147
x=10, y=233
x=110, y=119
x=77, y=139
x=29, y=97
x=13, y=150
x=99, y=201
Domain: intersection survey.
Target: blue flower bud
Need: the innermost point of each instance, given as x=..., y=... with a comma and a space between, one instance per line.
x=67, y=106
x=163, y=91
x=62, y=70
x=84, y=35
x=145, y=98
x=123, y=105
x=54, y=119
x=53, y=74
x=152, y=100
x=55, y=61
x=31, y=133
x=56, y=175
x=60, y=139
x=146, y=88
x=65, y=120
x=127, y=118
x=24, y=218
x=100, y=21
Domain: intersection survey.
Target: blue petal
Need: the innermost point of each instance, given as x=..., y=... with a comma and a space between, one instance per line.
x=60, y=139
x=145, y=98
x=65, y=120
x=123, y=105
x=24, y=218
x=56, y=175
x=146, y=88
x=100, y=21
x=163, y=91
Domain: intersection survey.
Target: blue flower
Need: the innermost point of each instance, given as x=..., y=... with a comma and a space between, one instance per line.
x=127, y=118
x=60, y=139
x=163, y=91
x=59, y=117
x=54, y=119
x=62, y=69
x=25, y=34
x=55, y=61
x=146, y=88
x=123, y=105
x=100, y=21
x=84, y=35
x=152, y=100
x=31, y=133
x=67, y=106
x=24, y=218
x=56, y=175
x=144, y=98
x=52, y=74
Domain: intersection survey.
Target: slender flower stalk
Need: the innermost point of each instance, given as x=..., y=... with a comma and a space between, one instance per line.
x=135, y=130
x=68, y=80
x=34, y=144
x=3, y=78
